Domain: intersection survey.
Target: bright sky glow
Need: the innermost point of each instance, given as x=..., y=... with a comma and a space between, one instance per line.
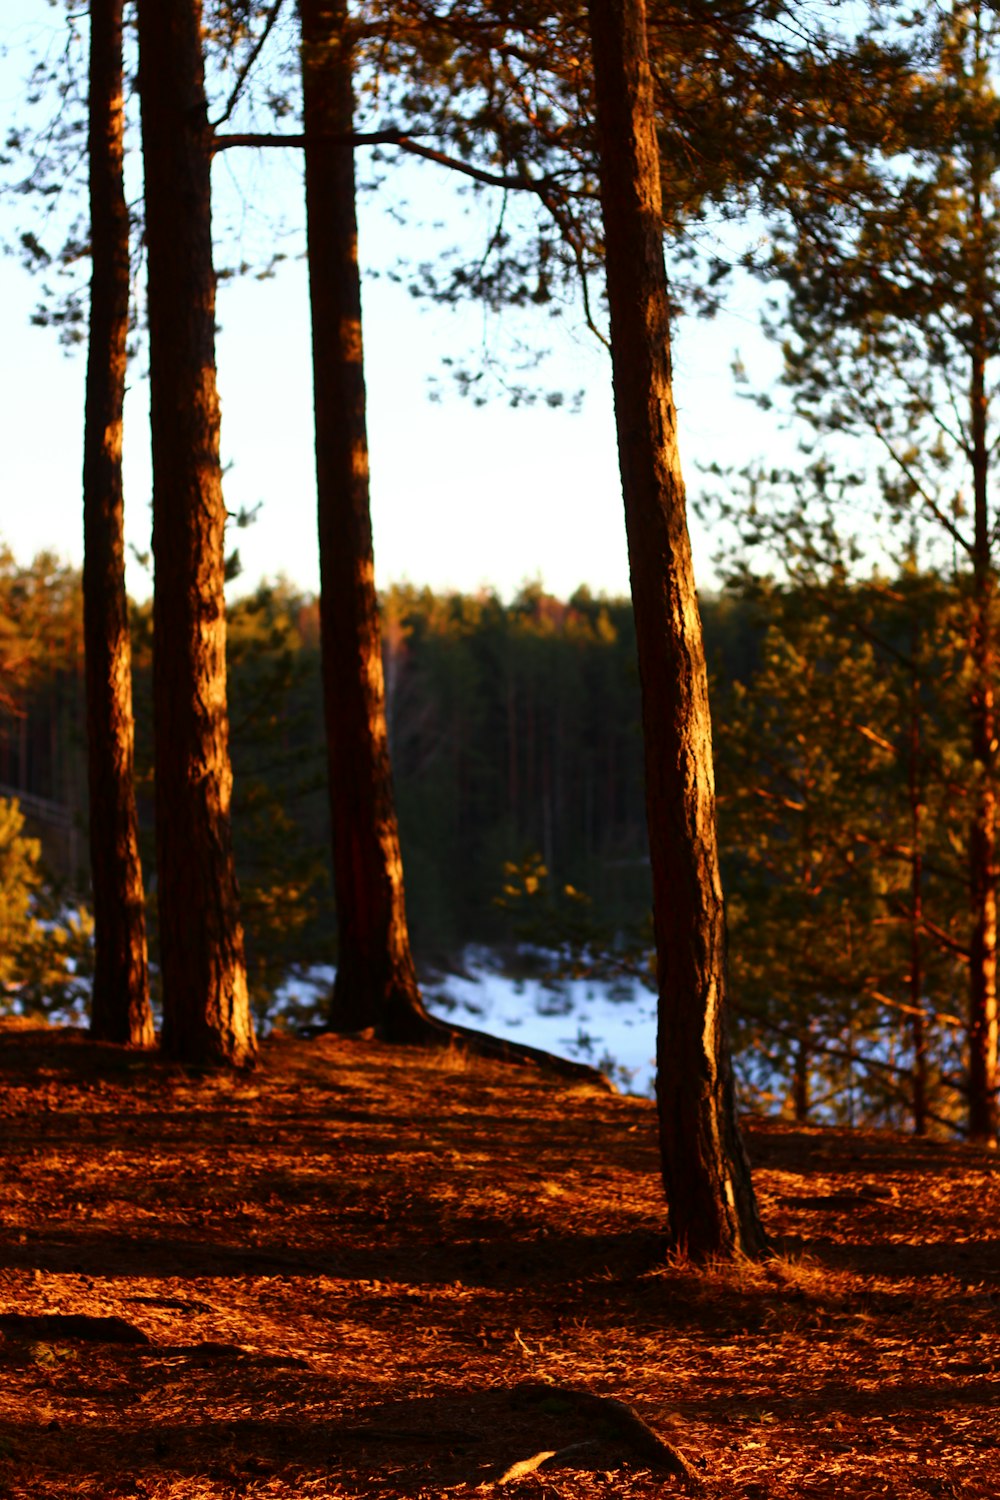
x=462, y=497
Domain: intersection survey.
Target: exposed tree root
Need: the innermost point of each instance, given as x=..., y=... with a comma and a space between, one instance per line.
x=83, y=1326
x=615, y=1423
x=408, y=1024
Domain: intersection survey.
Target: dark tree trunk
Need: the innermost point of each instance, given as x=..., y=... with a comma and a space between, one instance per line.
x=801, y=1098
x=918, y=1032
x=206, y=1014
x=376, y=986
x=983, y=831
x=120, y=1008
x=376, y=983
x=705, y=1171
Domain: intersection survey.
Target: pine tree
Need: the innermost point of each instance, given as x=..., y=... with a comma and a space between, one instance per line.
x=376, y=984
x=893, y=299
x=120, y=1008
x=206, y=1015
x=705, y=1170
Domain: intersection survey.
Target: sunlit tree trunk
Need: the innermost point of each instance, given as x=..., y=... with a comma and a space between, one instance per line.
x=376, y=984
x=705, y=1171
x=983, y=831
x=918, y=1029
x=206, y=1015
x=120, y=1009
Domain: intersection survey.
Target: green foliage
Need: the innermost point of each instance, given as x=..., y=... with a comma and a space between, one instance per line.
x=45, y=950
x=832, y=785
x=562, y=938
x=513, y=728
x=891, y=261
x=515, y=737
x=19, y=880
x=280, y=815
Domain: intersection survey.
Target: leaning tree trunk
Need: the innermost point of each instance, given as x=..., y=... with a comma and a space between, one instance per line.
x=705, y=1171
x=376, y=984
x=206, y=1014
x=120, y=1009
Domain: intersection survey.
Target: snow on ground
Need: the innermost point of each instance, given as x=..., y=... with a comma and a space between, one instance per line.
x=612, y=1027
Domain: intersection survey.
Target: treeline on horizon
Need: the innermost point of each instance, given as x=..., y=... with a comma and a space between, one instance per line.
x=516, y=746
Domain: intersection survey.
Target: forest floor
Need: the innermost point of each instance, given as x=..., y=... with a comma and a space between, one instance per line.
x=364, y=1272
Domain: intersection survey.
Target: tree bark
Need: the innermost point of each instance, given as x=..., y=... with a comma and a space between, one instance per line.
x=801, y=1098
x=705, y=1171
x=376, y=984
x=918, y=1030
x=983, y=831
x=206, y=1014
x=120, y=1010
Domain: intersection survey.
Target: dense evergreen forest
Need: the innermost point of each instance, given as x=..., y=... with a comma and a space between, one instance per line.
x=514, y=733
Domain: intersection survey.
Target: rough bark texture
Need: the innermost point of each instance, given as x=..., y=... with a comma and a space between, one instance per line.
x=376, y=986
x=120, y=1009
x=206, y=1015
x=983, y=830
x=918, y=1032
x=376, y=983
x=705, y=1171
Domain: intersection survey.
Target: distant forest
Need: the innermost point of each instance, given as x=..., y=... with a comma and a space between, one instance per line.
x=514, y=732
x=516, y=746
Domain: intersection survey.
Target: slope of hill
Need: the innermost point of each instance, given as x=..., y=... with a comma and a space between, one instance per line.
x=363, y=1272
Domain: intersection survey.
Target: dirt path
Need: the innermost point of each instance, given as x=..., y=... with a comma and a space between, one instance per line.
x=349, y=1274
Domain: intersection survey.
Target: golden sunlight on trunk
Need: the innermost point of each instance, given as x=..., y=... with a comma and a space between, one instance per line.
x=706, y=1176
x=376, y=983
x=120, y=1010
x=206, y=1013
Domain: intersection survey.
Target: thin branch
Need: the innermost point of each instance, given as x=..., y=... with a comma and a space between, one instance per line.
x=930, y=409
x=907, y=469
x=244, y=72
x=904, y=853
x=519, y=183
x=347, y=138
x=543, y=186
x=915, y=1010
x=945, y=939
x=817, y=1046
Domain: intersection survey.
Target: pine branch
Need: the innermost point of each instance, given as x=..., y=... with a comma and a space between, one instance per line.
x=516, y=182
x=244, y=72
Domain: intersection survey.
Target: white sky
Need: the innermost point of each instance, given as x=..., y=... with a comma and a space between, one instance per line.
x=461, y=496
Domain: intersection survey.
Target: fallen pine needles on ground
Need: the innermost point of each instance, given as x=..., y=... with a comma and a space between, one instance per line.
x=360, y=1272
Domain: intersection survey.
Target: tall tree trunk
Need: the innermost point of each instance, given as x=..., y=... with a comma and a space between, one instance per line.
x=918, y=1030
x=983, y=831
x=705, y=1171
x=120, y=1010
x=206, y=1013
x=801, y=1099
x=376, y=984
